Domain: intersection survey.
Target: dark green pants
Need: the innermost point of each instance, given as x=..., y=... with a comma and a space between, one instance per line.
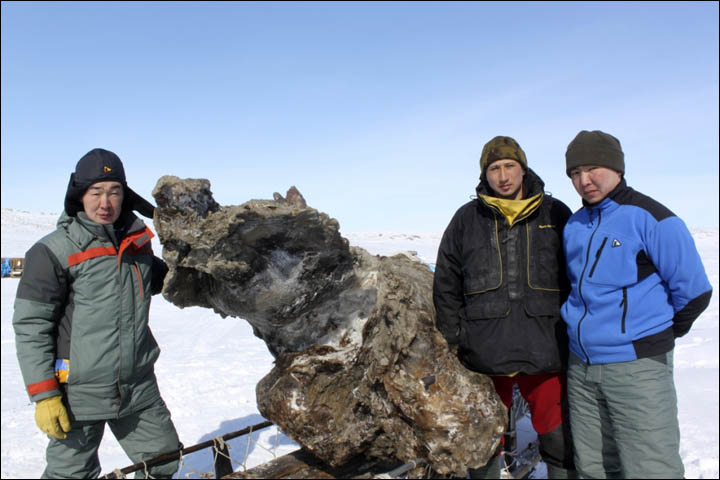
x=624, y=418
x=142, y=436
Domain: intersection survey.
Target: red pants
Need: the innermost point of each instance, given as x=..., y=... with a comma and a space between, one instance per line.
x=543, y=393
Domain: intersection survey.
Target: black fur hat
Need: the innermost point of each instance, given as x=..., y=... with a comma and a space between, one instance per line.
x=100, y=165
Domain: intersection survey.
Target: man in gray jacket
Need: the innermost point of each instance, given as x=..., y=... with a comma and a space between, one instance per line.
x=85, y=349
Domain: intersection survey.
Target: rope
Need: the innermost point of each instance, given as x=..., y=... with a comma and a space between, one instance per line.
x=167, y=457
x=247, y=449
x=218, y=445
x=250, y=441
x=265, y=448
x=243, y=464
x=506, y=469
x=181, y=463
x=197, y=472
x=147, y=474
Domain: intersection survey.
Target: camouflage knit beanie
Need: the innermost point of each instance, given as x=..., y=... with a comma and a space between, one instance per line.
x=595, y=148
x=501, y=147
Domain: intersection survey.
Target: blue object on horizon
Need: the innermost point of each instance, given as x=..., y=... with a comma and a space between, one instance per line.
x=6, y=268
x=431, y=266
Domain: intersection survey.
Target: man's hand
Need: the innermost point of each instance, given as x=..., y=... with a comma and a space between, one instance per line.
x=51, y=417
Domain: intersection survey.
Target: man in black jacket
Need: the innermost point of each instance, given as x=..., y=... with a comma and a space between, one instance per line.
x=499, y=283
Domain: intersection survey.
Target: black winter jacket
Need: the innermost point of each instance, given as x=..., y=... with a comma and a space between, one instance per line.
x=498, y=289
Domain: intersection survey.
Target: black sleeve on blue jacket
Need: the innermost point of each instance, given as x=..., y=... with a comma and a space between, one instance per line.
x=629, y=196
x=645, y=267
x=43, y=278
x=683, y=319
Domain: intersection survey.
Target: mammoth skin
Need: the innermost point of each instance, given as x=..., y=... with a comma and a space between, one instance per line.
x=359, y=366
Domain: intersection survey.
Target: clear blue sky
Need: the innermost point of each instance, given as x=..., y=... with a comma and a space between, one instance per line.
x=377, y=112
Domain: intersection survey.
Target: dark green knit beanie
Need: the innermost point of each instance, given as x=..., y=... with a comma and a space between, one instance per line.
x=595, y=148
x=501, y=147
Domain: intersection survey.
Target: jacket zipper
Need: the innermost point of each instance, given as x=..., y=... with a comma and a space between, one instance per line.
x=624, y=304
x=587, y=259
x=597, y=256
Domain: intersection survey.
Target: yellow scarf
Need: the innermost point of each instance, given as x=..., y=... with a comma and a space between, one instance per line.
x=513, y=209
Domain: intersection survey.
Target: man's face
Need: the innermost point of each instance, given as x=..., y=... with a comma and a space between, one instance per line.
x=102, y=202
x=593, y=183
x=505, y=177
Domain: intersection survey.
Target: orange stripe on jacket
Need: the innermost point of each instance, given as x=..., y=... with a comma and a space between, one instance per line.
x=139, y=242
x=80, y=257
x=44, y=386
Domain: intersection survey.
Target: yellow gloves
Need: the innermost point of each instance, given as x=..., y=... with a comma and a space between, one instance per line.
x=51, y=417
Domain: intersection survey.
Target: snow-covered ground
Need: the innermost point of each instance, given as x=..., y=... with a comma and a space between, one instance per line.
x=209, y=367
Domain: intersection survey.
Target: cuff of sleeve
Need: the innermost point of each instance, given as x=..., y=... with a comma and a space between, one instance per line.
x=45, y=386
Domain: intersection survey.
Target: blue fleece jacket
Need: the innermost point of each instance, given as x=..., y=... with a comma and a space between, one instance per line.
x=637, y=280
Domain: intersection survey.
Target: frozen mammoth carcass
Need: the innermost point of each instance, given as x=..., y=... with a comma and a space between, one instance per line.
x=359, y=366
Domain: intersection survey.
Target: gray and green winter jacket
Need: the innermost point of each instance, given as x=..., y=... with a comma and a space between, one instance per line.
x=85, y=296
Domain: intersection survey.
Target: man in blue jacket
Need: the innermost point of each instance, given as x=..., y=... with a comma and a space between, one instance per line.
x=637, y=283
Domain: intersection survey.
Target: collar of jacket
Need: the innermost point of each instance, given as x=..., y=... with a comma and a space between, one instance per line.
x=513, y=209
x=82, y=231
x=533, y=185
x=609, y=198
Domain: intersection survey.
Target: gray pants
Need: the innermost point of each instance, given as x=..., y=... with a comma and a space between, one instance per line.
x=624, y=418
x=142, y=436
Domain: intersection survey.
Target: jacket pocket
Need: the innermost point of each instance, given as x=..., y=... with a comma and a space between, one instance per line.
x=544, y=303
x=545, y=259
x=597, y=257
x=94, y=355
x=92, y=401
x=481, y=344
x=613, y=261
x=480, y=310
x=482, y=262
